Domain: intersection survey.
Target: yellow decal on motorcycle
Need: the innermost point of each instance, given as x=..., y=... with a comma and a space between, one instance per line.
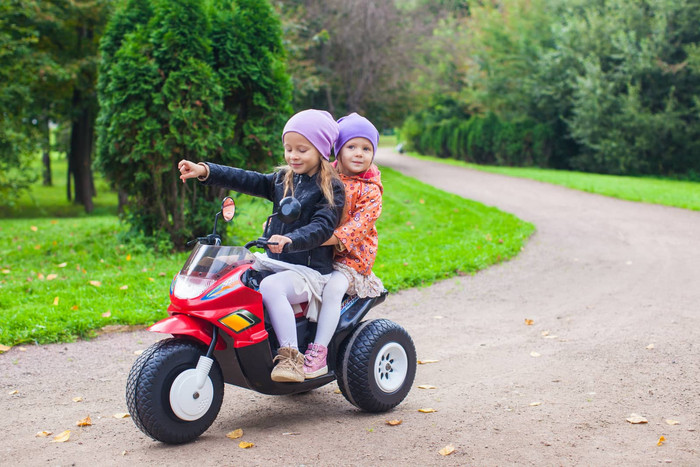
x=239, y=320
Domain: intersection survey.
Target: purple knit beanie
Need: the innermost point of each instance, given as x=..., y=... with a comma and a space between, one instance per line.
x=356, y=126
x=317, y=126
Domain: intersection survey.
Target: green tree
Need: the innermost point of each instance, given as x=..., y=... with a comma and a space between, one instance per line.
x=18, y=69
x=187, y=79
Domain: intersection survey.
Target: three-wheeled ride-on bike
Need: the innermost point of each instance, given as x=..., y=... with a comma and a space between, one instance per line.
x=221, y=334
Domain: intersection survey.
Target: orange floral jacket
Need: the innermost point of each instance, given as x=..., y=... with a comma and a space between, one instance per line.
x=357, y=232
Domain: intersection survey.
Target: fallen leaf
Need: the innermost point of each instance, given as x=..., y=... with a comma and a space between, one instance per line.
x=4, y=348
x=77, y=399
x=245, y=445
x=650, y=346
x=421, y=201
x=74, y=307
x=96, y=283
x=151, y=279
x=6, y=271
x=423, y=362
x=427, y=410
x=394, y=422
x=51, y=277
x=13, y=392
x=161, y=274
x=37, y=247
x=535, y=404
x=106, y=314
x=62, y=265
x=447, y=450
x=40, y=276
x=637, y=419
x=84, y=422
x=337, y=391
x=121, y=415
x=34, y=228
x=529, y=322
x=673, y=422
x=427, y=386
x=62, y=437
x=123, y=287
x=55, y=301
x=535, y=354
x=661, y=441
x=235, y=434
x=43, y=434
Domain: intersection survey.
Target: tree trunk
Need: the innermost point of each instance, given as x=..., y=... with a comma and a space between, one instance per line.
x=123, y=198
x=80, y=154
x=45, y=156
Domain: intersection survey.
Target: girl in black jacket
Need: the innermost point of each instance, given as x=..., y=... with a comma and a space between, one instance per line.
x=308, y=176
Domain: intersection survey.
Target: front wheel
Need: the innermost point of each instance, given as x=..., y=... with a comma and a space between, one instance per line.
x=162, y=395
x=377, y=365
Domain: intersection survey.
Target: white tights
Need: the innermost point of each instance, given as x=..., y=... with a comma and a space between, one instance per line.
x=278, y=296
x=329, y=315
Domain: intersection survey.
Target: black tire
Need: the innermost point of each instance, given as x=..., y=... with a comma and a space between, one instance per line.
x=149, y=385
x=374, y=382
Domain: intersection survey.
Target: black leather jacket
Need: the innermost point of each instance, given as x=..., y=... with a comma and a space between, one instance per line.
x=314, y=226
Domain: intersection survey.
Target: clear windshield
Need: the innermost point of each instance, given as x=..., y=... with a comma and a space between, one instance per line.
x=206, y=265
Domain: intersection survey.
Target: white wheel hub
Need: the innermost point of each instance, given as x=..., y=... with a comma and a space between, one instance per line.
x=390, y=367
x=187, y=400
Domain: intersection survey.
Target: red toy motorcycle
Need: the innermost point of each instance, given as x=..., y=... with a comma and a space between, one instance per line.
x=221, y=334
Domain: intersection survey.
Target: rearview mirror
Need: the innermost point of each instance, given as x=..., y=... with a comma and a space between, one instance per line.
x=228, y=208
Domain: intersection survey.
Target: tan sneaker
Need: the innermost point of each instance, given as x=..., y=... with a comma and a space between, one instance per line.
x=290, y=366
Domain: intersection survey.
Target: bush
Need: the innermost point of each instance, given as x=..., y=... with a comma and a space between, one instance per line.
x=187, y=79
x=480, y=139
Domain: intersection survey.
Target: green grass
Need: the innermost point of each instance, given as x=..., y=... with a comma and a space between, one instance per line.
x=680, y=194
x=43, y=201
x=47, y=263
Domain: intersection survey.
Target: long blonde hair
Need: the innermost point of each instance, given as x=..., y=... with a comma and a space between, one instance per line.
x=326, y=176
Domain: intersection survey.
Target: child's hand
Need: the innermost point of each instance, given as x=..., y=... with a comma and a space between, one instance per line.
x=281, y=242
x=190, y=170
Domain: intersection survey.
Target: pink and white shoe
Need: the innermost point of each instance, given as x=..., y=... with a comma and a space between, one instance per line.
x=315, y=361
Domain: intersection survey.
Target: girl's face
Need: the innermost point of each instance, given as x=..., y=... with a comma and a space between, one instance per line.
x=355, y=156
x=300, y=154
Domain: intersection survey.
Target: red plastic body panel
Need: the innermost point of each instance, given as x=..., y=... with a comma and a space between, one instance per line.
x=217, y=302
x=183, y=325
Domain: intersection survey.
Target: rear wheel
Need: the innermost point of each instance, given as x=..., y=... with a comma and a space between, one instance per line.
x=377, y=365
x=162, y=395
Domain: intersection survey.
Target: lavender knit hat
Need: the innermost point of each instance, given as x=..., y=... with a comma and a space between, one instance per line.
x=356, y=126
x=317, y=126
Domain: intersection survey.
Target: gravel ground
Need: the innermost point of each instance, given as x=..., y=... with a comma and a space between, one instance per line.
x=613, y=292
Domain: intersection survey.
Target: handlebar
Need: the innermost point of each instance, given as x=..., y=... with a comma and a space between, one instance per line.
x=211, y=239
x=263, y=243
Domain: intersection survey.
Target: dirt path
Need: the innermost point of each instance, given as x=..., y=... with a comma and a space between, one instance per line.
x=616, y=285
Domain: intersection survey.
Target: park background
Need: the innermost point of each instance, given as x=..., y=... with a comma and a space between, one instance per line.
x=100, y=99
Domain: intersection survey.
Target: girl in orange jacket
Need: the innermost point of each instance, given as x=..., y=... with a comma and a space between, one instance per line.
x=355, y=238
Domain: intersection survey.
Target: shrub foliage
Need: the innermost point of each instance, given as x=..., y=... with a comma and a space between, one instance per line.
x=187, y=79
x=608, y=86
